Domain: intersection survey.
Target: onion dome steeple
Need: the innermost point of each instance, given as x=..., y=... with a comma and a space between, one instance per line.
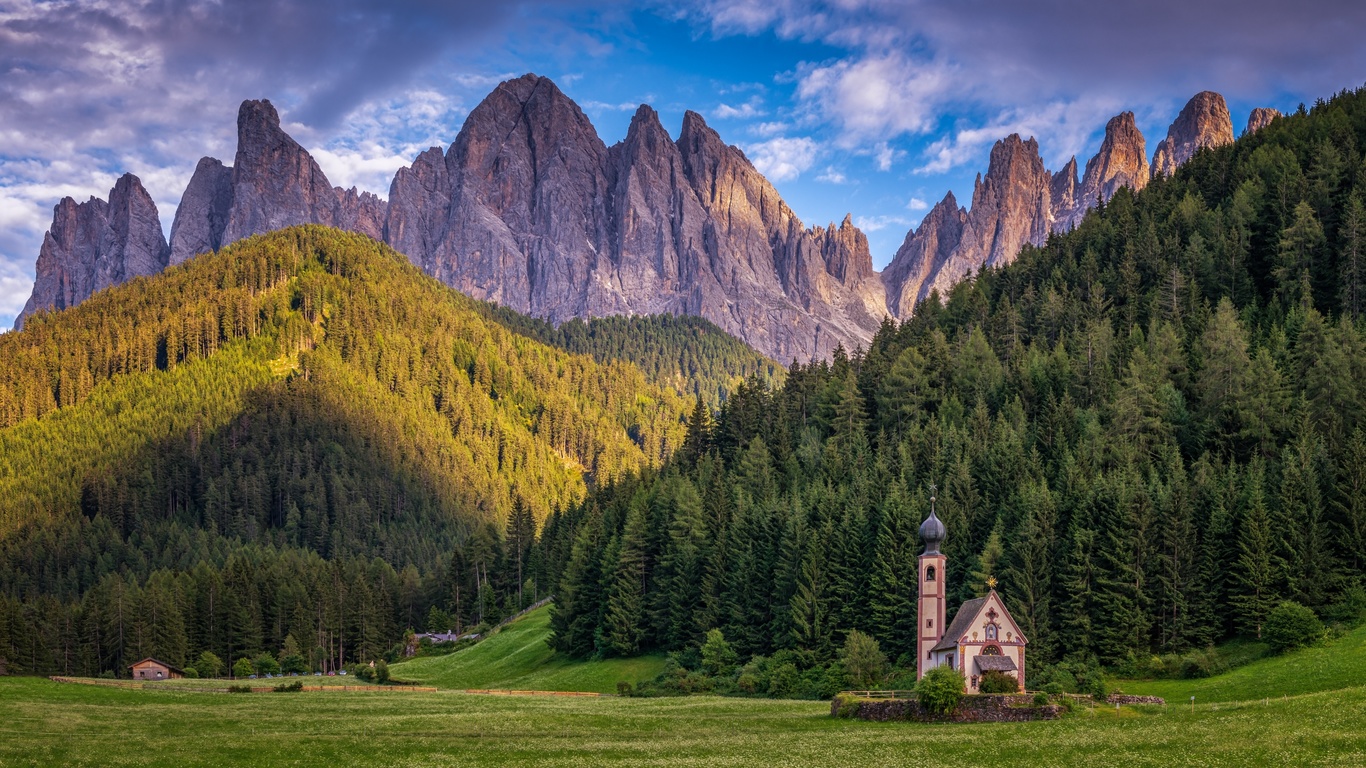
x=932, y=531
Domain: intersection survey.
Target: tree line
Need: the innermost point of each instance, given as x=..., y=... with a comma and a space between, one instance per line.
x=1149, y=431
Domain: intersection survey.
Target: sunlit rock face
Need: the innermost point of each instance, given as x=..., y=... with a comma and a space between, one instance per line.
x=1203, y=123
x=93, y=245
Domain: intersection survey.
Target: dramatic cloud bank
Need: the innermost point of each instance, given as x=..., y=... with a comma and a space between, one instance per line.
x=874, y=106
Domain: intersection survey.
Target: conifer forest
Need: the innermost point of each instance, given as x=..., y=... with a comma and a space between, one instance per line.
x=1150, y=432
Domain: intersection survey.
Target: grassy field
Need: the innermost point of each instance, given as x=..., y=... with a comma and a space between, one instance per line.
x=1332, y=666
x=518, y=658
x=1307, y=708
x=46, y=723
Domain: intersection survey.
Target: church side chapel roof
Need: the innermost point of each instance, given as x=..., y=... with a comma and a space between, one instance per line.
x=961, y=621
x=994, y=663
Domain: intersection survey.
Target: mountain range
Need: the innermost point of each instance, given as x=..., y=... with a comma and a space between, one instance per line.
x=530, y=209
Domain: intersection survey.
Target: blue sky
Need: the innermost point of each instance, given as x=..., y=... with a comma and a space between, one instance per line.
x=869, y=107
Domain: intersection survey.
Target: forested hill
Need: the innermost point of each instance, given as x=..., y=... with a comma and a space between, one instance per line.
x=302, y=431
x=1148, y=430
x=688, y=353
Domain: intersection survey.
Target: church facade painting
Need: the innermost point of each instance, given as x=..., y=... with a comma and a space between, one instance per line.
x=982, y=637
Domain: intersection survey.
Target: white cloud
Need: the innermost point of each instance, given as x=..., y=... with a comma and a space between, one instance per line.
x=916, y=204
x=875, y=223
x=783, y=158
x=772, y=128
x=747, y=111
x=15, y=286
x=602, y=106
x=370, y=168
x=832, y=176
x=1064, y=130
x=884, y=155
x=873, y=98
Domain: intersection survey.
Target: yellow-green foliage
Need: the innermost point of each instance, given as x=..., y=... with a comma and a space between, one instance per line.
x=476, y=413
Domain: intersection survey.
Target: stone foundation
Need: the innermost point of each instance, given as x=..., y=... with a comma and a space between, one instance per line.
x=1119, y=698
x=1002, y=708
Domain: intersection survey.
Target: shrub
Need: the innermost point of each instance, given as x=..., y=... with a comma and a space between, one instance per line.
x=1040, y=699
x=1099, y=691
x=243, y=668
x=297, y=685
x=1350, y=611
x=382, y=672
x=782, y=683
x=364, y=672
x=997, y=682
x=1053, y=689
x=846, y=705
x=624, y=688
x=1291, y=625
x=267, y=665
x=107, y=674
x=293, y=664
x=191, y=673
x=940, y=691
x=239, y=689
x=718, y=658
x=864, y=662
x=209, y=665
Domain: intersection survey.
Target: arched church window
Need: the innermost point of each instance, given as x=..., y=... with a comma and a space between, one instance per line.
x=929, y=573
x=991, y=650
x=991, y=631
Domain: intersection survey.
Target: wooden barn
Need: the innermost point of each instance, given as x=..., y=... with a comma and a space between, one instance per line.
x=151, y=669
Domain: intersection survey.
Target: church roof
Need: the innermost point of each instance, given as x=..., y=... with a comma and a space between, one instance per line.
x=995, y=664
x=961, y=621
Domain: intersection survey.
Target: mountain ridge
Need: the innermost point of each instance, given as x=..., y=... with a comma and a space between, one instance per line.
x=529, y=208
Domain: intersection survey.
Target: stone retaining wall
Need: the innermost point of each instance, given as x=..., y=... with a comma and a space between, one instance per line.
x=1003, y=708
x=1120, y=698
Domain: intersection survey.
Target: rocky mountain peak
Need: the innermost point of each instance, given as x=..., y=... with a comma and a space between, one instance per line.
x=1203, y=123
x=93, y=245
x=925, y=248
x=1260, y=118
x=202, y=215
x=1122, y=161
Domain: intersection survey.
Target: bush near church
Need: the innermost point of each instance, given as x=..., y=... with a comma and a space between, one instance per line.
x=940, y=691
x=997, y=682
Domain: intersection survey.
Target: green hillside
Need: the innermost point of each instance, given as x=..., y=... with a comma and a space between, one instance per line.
x=299, y=436
x=517, y=657
x=1325, y=667
x=688, y=353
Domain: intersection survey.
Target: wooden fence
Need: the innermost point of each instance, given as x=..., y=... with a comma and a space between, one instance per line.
x=223, y=686
x=500, y=692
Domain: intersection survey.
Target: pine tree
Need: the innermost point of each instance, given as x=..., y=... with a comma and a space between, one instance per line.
x=894, y=583
x=624, y=623
x=1258, y=570
x=1300, y=245
x=1352, y=259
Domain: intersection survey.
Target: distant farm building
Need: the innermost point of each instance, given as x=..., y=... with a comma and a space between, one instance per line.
x=151, y=669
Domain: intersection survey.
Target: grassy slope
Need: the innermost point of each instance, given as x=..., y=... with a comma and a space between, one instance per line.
x=518, y=658
x=45, y=723
x=1331, y=666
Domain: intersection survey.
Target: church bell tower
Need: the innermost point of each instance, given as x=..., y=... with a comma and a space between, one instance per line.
x=930, y=607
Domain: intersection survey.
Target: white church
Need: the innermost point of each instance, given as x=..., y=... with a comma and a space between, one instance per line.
x=982, y=636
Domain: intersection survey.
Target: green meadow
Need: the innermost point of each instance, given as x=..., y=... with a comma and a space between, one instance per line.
x=518, y=658
x=43, y=723
x=1305, y=708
